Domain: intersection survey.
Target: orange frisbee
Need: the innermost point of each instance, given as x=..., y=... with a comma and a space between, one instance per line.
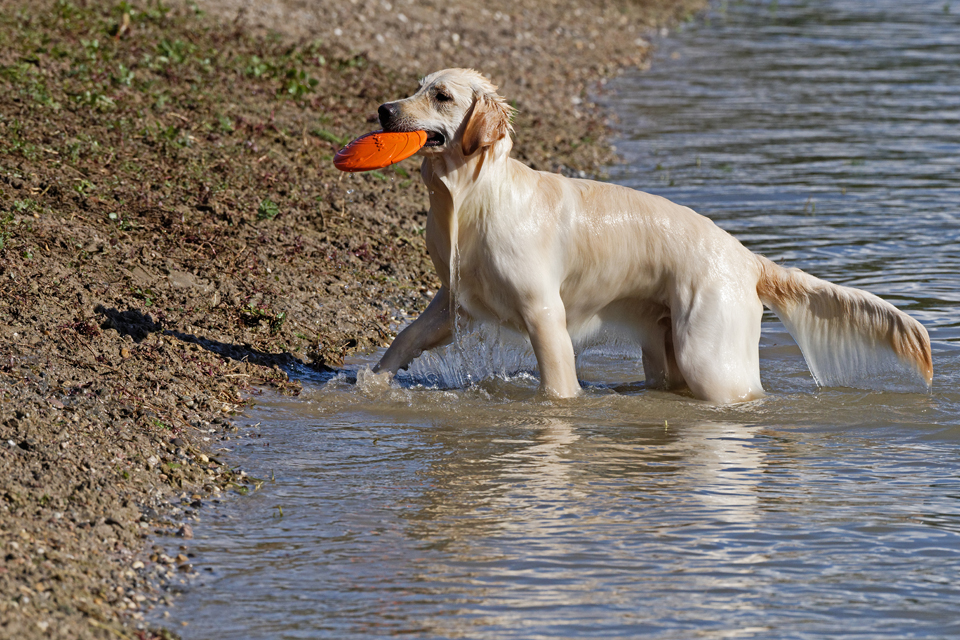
x=379, y=149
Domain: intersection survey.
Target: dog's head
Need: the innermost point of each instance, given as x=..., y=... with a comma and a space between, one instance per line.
x=458, y=108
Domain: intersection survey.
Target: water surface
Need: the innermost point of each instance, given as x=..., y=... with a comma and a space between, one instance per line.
x=825, y=135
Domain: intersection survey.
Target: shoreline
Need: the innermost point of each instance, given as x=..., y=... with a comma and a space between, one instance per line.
x=173, y=235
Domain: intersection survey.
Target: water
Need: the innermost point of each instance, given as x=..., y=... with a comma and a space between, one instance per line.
x=824, y=135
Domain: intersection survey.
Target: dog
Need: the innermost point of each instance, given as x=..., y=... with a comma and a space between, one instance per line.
x=561, y=259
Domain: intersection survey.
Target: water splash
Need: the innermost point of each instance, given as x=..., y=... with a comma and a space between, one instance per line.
x=479, y=351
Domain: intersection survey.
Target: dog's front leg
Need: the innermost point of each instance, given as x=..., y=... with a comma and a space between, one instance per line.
x=547, y=328
x=431, y=329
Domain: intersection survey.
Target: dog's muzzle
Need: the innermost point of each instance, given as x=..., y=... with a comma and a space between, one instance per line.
x=388, y=114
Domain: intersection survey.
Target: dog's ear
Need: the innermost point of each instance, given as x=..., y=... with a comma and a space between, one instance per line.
x=487, y=122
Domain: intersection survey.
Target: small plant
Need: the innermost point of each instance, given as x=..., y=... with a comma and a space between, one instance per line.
x=277, y=322
x=124, y=76
x=82, y=187
x=175, y=52
x=323, y=134
x=4, y=232
x=257, y=67
x=92, y=48
x=24, y=206
x=226, y=124
x=96, y=100
x=297, y=83
x=251, y=316
x=144, y=294
x=268, y=209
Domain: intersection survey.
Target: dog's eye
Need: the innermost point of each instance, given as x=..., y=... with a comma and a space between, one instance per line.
x=443, y=97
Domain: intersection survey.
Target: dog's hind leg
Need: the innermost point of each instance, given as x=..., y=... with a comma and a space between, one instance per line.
x=660, y=369
x=653, y=330
x=717, y=341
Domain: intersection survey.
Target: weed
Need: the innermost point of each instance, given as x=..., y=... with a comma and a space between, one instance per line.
x=124, y=76
x=92, y=48
x=144, y=294
x=267, y=210
x=175, y=52
x=96, y=100
x=24, y=206
x=156, y=13
x=5, y=233
x=323, y=134
x=17, y=143
x=82, y=187
x=257, y=68
x=251, y=316
x=297, y=83
x=73, y=151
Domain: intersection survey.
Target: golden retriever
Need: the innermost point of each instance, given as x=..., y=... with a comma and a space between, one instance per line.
x=559, y=259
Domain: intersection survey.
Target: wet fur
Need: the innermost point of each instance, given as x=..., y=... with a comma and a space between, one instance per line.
x=562, y=259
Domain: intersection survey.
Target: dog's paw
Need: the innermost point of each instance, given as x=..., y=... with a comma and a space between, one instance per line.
x=370, y=382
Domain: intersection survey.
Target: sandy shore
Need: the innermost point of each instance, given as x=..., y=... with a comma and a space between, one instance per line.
x=173, y=237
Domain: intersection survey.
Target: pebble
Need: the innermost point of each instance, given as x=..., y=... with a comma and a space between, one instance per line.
x=186, y=531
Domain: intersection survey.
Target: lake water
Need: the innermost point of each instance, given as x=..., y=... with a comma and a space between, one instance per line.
x=825, y=135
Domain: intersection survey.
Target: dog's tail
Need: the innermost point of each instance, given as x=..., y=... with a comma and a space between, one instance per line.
x=848, y=337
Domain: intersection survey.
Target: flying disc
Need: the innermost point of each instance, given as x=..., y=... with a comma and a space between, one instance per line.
x=379, y=149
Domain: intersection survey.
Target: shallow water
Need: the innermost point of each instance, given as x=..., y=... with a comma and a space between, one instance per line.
x=825, y=135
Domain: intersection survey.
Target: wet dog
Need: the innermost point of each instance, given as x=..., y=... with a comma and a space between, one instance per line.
x=561, y=259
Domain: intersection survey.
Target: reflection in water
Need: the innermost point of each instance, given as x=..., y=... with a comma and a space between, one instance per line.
x=824, y=135
x=488, y=515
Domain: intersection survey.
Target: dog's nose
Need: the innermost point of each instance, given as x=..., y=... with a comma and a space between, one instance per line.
x=387, y=112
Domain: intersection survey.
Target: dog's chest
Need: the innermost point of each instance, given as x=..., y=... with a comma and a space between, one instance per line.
x=473, y=267
x=484, y=291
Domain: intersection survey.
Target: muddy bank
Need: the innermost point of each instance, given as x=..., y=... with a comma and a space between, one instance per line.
x=173, y=237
